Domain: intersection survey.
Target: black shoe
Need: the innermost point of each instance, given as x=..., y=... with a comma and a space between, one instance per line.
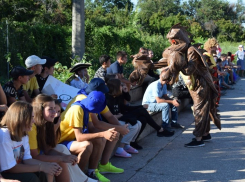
x=206, y=138
x=194, y=143
x=168, y=128
x=165, y=133
x=223, y=88
x=177, y=126
x=92, y=175
x=136, y=145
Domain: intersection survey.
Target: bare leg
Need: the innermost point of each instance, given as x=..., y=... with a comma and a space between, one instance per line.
x=64, y=176
x=109, y=147
x=84, y=151
x=231, y=76
x=98, y=147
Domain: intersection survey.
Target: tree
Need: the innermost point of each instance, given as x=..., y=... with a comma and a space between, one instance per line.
x=78, y=29
x=164, y=7
x=210, y=26
x=240, y=11
x=161, y=24
x=48, y=11
x=108, y=5
x=206, y=10
x=228, y=31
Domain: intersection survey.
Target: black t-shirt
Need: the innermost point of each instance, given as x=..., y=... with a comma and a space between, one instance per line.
x=116, y=104
x=41, y=81
x=10, y=91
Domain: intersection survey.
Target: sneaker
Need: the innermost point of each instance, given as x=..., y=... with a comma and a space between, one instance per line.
x=177, y=126
x=109, y=168
x=123, y=154
x=97, y=176
x=165, y=133
x=206, y=138
x=131, y=150
x=136, y=145
x=194, y=143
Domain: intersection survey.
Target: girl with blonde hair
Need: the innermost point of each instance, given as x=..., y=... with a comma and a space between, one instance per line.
x=42, y=138
x=15, y=158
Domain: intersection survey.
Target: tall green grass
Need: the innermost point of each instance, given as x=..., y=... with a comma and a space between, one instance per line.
x=230, y=46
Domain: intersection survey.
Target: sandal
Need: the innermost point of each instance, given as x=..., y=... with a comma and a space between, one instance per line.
x=131, y=150
x=123, y=154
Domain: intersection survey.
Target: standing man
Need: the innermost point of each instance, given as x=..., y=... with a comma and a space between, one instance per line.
x=199, y=81
x=182, y=56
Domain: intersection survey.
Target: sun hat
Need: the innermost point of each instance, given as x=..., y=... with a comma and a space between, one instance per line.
x=97, y=84
x=79, y=66
x=95, y=102
x=19, y=71
x=33, y=61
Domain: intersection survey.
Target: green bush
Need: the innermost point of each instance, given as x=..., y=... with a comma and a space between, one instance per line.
x=27, y=39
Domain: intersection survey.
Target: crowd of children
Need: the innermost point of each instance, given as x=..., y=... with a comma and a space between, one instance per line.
x=41, y=142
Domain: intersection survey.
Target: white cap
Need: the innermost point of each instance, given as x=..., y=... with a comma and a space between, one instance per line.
x=240, y=46
x=33, y=61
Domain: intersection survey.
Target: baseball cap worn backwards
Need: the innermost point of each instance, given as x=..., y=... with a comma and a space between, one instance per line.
x=95, y=102
x=20, y=71
x=97, y=84
x=33, y=61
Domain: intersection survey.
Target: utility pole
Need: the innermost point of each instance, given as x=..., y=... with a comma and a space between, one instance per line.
x=78, y=26
x=7, y=23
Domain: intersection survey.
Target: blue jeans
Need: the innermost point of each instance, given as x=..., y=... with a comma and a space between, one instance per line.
x=164, y=107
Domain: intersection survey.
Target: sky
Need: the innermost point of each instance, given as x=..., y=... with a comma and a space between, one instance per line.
x=230, y=1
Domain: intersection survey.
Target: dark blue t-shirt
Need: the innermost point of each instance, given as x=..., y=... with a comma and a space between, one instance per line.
x=115, y=68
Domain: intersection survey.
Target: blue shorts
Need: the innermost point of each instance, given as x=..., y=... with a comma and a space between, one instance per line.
x=67, y=144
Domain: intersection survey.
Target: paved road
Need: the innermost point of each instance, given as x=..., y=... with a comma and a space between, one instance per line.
x=166, y=159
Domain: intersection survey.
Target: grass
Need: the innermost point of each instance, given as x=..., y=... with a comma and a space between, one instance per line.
x=230, y=46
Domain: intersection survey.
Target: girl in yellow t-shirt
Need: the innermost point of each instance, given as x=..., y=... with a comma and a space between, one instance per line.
x=42, y=137
x=15, y=159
